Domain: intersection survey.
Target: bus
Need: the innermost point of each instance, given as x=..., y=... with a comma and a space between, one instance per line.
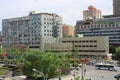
x=105, y=67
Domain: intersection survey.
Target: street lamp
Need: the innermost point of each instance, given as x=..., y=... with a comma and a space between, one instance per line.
x=39, y=73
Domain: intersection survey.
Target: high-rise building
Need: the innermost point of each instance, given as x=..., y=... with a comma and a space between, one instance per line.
x=67, y=30
x=101, y=27
x=0, y=40
x=31, y=30
x=91, y=13
x=116, y=7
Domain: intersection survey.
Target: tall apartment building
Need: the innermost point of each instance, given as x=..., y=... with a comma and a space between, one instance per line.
x=91, y=13
x=0, y=40
x=33, y=30
x=101, y=27
x=67, y=30
x=116, y=7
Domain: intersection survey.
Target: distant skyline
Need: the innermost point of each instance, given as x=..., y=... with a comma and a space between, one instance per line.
x=69, y=10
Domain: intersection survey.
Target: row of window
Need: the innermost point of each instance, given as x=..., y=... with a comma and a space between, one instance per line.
x=86, y=46
x=47, y=30
x=48, y=23
x=95, y=34
x=108, y=25
x=47, y=34
x=117, y=30
x=85, y=41
x=48, y=19
x=74, y=51
x=23, y=42
x=61, y=47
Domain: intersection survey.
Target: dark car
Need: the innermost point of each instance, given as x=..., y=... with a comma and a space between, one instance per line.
x=117, y=76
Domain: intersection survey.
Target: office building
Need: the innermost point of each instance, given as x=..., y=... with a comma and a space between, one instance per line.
x=32, y=30
x=101, y=27
x=116, y=7
x=91, y=13
x=87, y=47
x=67, y=30
x=58, y=47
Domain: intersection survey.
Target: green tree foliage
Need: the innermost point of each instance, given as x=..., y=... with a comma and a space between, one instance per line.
x=1, y=51
x=15, y=53
x=47, y=63
x=116, y=55
x=64, y=63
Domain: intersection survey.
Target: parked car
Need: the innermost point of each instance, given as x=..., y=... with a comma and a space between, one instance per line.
x=117, y=76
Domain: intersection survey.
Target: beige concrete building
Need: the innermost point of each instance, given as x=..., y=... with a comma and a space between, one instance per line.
x=87, y=47
x=58, y=47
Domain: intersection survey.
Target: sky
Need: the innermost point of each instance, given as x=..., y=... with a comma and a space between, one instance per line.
x=69, y=10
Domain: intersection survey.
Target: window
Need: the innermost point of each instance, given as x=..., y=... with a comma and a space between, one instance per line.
x=95, y=40
x=91, y=41
x=91, y=45
x=95, y=45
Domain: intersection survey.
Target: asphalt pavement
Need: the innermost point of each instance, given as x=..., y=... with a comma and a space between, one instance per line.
x=92, y=74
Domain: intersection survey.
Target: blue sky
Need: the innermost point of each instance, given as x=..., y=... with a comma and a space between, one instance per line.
x=69, y=10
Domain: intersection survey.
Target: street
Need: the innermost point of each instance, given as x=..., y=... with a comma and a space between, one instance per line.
x=93, y=74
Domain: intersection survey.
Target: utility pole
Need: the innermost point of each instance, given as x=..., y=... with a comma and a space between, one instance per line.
x=83, y=68
x=82, y=71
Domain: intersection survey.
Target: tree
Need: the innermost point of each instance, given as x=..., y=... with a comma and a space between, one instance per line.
x=47, y=63
x=1, y=51
x=116, y=55
x=15, y=53
x=64, y=63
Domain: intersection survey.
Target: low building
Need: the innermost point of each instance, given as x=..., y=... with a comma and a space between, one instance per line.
x=58, y=47
x=87, y=47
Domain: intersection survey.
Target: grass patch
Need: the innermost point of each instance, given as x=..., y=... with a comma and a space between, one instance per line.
x=2, y=71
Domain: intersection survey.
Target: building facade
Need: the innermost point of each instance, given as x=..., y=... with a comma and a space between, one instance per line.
x=91, y=13
x=87, y=47
x=116, y=7
x=58, y=47
x=0, y=40
x=31, y=30
x=101, y=27
x=67, y=30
